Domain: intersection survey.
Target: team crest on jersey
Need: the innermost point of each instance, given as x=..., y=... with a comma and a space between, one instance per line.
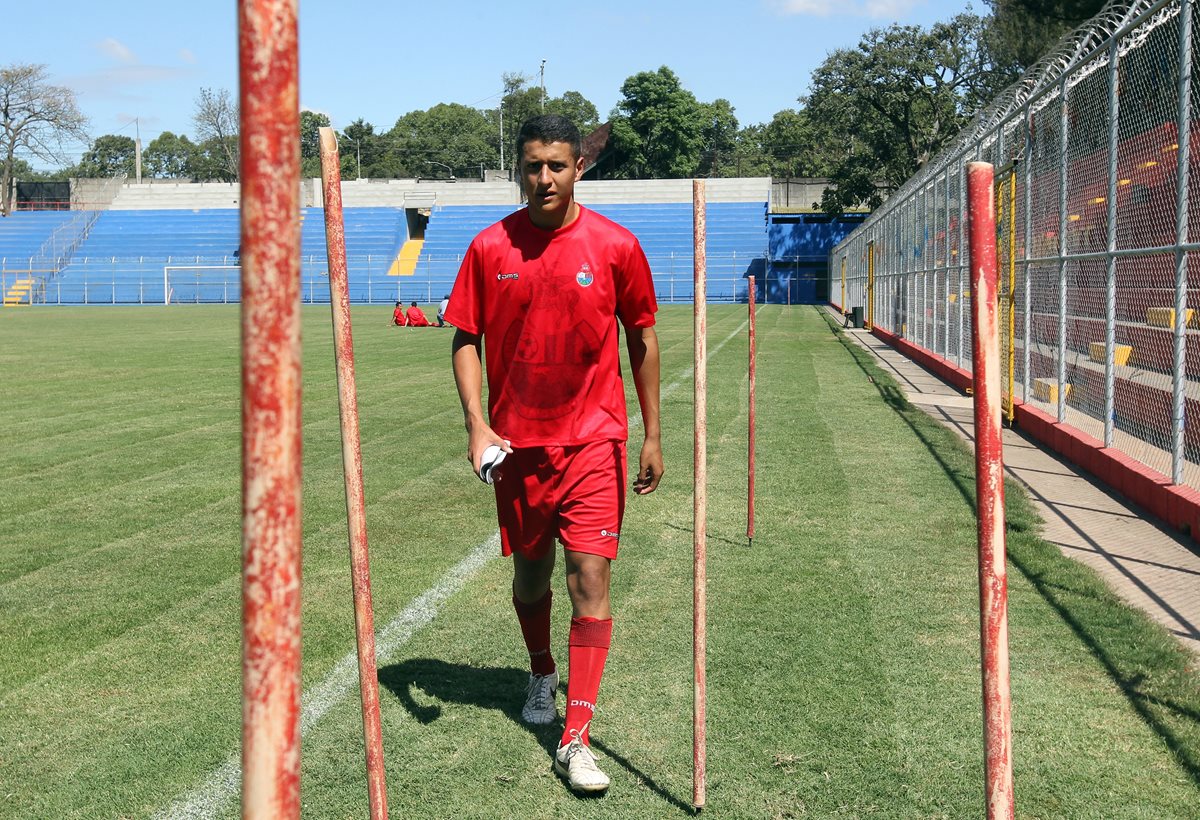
x=584, y=277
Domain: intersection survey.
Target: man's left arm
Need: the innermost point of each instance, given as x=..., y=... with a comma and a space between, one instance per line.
x=642, y=343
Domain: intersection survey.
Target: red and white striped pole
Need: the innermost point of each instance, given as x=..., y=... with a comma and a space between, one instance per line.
x=989, y=488
x=750, y=444
x=356, y=517
x=700, y=494
x=271, y=452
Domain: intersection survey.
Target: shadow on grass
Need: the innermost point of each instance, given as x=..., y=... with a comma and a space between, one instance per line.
x=500, y=689
x=710, y=534
x=1094, y=610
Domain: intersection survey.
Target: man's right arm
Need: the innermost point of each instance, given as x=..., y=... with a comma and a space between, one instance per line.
x=468, y=377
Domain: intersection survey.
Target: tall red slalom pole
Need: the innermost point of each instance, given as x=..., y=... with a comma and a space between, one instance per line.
x=700, y=495
x=989, y=488
x=356, y=516
x=750, y=437
x=271, y=457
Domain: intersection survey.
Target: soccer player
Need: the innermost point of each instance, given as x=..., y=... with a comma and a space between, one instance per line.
x=398, y=318
x=546, y=287
x=416, y=317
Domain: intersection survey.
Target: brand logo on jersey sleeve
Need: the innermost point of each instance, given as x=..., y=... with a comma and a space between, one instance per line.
x=584, y=277
x=502, y=276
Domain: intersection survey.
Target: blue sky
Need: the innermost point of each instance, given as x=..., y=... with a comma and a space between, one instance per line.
x=138, y=60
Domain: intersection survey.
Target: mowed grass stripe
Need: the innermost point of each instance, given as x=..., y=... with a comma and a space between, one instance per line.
x=843, y=662
x=208, y=799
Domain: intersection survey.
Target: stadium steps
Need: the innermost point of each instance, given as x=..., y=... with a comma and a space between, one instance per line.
x=406, y=261
x=19, y=293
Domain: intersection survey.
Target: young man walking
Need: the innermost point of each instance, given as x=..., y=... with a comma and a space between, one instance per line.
x=546, y=286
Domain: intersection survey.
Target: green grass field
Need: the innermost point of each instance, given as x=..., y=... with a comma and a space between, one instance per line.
x=843, y=645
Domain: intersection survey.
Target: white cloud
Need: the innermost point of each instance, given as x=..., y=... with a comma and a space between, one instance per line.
x=889, y=9
x=117, y=50
x=873, y=9
x=809, y=8
x=187, y=56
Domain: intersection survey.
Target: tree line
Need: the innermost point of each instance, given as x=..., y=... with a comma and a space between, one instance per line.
x=874, y=114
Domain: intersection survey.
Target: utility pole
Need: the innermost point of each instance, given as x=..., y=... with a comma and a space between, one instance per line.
x=501, y=110
x=542, y=74
x=137, y=151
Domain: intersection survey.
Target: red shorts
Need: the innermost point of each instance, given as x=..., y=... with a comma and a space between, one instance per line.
x=574, y=493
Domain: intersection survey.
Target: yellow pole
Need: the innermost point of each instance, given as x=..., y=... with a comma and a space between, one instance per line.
x=1012, y=295
x=870, y=285
x=843, y=303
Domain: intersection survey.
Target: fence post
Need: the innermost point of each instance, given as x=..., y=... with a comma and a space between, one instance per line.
x=271, y=411
x=871, y=285
x=1110, y=290
x=1028, y=308
x=963, y=254
x=1183, y=139
x=989, y=489
x=1061, y=378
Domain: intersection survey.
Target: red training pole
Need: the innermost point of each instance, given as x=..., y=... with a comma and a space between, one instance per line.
x=750, y=445
x=271, y=451
x=356, y=516
x=700, y=494
x=989, y=488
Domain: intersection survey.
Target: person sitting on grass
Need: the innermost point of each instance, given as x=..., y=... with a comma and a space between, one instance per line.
x=398, y=317
x=416, y=317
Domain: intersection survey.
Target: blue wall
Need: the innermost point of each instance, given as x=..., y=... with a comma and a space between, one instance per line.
x=800, y=246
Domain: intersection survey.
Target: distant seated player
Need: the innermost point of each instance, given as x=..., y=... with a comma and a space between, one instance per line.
x=416, y=317
x=398, y=317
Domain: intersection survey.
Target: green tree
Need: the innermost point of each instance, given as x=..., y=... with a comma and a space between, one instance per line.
x=448, y=134
x=577, y=108
x=110, y=155
x=796, y=146
x=658, y=127
x=36, y=118
x=216, y=121
x=310, y=142
x=1021, y=32
x=894, y=102
x=210, y=163
x=720, y=135
x=169, y=156
x=361, y=149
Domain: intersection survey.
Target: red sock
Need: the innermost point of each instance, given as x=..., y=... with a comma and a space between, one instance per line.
x=535, y=627
x=589, y=642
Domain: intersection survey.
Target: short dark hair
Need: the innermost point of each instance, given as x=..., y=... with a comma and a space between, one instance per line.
x=549, y=128
x=414, y=304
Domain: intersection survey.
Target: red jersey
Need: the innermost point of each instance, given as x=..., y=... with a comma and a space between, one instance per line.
x=416, y=317
x=398, y=317
x=547, y=305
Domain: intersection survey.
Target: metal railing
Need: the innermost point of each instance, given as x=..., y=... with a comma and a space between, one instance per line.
x=1098, y=237
x=373, y=279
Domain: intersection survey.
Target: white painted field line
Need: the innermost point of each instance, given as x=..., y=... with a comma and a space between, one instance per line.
x=210, y=797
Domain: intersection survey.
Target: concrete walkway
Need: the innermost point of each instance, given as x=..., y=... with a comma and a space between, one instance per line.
x=1149, y=566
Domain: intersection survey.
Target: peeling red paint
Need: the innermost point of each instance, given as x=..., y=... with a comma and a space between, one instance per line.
x=360, y=565
x=271, y=446
x=700, y=496
x=989, y=487
x=750, y=442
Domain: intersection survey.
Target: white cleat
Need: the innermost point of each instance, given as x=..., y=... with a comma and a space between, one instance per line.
x=539, y=708
x=575, y=763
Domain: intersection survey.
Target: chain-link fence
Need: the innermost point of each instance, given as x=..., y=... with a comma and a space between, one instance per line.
x=1098, y=228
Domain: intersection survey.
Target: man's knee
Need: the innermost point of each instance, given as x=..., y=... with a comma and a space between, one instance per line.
x=589, y=575
x=531, y=577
